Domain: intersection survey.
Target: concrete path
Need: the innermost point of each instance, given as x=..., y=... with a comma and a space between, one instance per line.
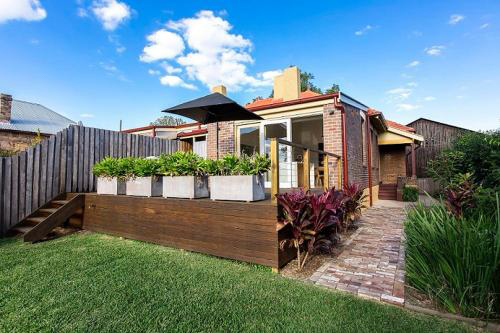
x=372, y=264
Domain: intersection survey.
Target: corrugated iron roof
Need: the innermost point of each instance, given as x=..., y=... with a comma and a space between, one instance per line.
x=31, y=117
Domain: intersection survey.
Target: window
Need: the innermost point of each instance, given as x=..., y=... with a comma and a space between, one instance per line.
x=249, y=140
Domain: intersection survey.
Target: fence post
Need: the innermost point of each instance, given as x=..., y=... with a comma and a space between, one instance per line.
x=275, y=170
x=326, y=172
x=307, y=174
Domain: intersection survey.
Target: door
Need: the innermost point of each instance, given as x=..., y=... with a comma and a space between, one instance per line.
x=200, y=146
x=280, y=129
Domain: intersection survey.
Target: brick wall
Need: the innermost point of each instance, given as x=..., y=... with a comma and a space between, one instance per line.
x=392, y=163
x=358, y=171
x=332, y=139
x=13, y=141
x=226, y=139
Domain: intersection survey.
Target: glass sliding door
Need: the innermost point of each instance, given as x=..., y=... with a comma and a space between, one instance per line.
x=280, y=129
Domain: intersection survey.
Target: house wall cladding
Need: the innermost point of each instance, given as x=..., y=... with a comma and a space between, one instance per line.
x=392, y=160
x=14, y=141
x=226, y=139
x=332, y=140
x=63, y=163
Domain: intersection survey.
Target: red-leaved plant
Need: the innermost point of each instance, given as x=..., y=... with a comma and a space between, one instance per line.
x=353, y=203
x=314, y=221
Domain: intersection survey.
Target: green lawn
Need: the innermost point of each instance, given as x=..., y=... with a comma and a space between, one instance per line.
x=96, y=283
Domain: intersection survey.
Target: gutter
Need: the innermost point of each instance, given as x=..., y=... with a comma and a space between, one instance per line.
x=369, y=157
x=338, y=105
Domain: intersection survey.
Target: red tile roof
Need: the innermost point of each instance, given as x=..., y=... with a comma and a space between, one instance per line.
x=193, y=132
x=400, y=126
x=270, y=101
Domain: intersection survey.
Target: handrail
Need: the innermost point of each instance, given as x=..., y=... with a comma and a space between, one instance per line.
x=298, y=145
x=275, y=185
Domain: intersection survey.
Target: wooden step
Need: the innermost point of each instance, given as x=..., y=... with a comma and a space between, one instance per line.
x=22, y=229
x=59, y=202
x=47, y=210
x=36, y=219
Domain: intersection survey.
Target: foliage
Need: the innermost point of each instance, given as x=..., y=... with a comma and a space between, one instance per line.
x=353, y=203
x=7, y=153
x=168, y=121
x=460, y=195
x=475, y=153
x=146, y=167
x=232, y=165
x=37, y=139
x=182, y=164
x=313, y=220
x=134, y=286
x=114, y=167
x=455, y=260
x=410, y=193
x=334, y=89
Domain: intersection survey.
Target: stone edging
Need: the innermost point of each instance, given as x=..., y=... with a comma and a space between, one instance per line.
x=489, y=326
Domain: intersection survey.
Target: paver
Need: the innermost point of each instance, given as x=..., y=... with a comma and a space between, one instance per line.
x=372, y=263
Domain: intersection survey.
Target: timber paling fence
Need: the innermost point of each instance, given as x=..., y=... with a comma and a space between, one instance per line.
x=63, y=163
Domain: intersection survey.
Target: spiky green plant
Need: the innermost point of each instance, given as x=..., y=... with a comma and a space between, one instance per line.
x=455, y=260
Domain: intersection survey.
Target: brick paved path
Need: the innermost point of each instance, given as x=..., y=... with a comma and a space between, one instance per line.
x=372, y=264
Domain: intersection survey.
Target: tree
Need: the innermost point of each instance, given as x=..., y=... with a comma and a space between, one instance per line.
x=258, y=98
x=168, y=121
x=334, y=89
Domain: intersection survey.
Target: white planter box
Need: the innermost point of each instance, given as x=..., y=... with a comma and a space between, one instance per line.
x=110, y=186
x=237, y=188
x=145, y=186
x=185, y=187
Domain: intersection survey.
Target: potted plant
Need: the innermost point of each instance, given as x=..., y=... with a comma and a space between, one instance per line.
x=184, y=175
x=238, y=178
x=145, y=180
x=111, y=175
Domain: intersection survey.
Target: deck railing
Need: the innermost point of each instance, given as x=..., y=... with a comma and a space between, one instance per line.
x=275, y=167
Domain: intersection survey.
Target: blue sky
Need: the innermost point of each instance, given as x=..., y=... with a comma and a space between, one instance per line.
x=105, y=60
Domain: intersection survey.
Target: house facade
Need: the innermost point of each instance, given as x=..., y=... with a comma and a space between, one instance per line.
x=371, y=149
x=21, y=122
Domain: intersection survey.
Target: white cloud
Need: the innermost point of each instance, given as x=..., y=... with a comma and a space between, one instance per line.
x=407, y=107
x=82, y=12
x=154, y=72
x=116, y=42
x=455, y=18
x=406, y=76
x=170, y=69
x=484, y=26
x=86, y=115
x=412, y=84
x=414, y=63
x=399, y=93
x=28, y=10
x=112, y=70
x=417, y=33
x=429, y=98
x=120, y=49
x=363, y=30
x=175, y=81
x=163, y=44
x=34, y=41
x=206, y=50
x=111, y=13
x=460, y=97
x=435, y=50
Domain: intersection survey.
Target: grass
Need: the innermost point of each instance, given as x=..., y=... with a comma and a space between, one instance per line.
x=95, y=283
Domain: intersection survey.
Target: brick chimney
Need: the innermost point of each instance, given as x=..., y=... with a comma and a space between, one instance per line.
x=5, y=108
x=287, y=85
x=220, y=89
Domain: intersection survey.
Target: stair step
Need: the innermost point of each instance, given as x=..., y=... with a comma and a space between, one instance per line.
x=48, y=210
x=23, y=229
x=59, y=202
x=35, y=219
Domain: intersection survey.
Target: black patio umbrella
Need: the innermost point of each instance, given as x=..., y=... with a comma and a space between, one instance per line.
x=213, y=108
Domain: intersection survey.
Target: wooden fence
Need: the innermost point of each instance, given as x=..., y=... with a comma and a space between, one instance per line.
x=63, y=163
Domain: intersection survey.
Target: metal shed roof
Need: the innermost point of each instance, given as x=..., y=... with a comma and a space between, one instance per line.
x=31, y=117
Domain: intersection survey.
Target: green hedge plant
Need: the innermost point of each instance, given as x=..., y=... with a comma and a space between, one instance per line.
x=122, y=168
x=232, y=165
x=182, y=164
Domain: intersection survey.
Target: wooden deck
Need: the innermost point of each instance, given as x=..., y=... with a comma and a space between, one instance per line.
x=235, y=230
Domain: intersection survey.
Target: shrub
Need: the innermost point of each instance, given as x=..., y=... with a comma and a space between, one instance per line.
x=410, y=193
x=231, y=165
x=182, y=164
x=145, y=167
x=353, y=203
x=114, y=167
x=314, y=220
x=455, y=260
